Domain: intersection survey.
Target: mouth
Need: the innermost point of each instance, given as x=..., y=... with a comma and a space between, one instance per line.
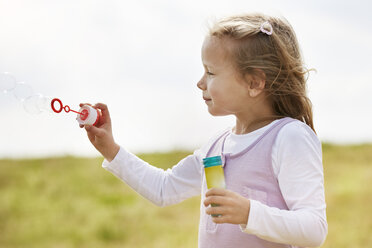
x=206, y=99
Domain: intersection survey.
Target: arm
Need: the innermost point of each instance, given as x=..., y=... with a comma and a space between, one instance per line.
x=297, y=162
x=159, y=186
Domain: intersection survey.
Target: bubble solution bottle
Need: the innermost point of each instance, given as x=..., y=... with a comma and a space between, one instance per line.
x=214, y=174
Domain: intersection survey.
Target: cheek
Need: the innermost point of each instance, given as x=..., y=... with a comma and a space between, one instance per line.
x=215, y=90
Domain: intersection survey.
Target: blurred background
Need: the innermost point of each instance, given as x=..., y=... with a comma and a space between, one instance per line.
x=143, y=60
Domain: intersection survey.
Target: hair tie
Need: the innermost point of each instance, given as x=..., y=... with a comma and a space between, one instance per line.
x=266, y=28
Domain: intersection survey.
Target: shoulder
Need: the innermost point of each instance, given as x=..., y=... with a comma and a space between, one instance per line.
x=297, y=141
x=297, y=132
x=203, y=150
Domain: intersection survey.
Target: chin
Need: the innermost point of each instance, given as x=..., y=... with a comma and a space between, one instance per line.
x=215, y=112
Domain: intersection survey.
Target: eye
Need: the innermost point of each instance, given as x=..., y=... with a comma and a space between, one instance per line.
x=209, y=73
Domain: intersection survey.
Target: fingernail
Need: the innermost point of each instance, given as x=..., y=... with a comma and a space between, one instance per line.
x=87, y=127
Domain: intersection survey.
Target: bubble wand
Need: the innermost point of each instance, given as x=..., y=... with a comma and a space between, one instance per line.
x=86, y=114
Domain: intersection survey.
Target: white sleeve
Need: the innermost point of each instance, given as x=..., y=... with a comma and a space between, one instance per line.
x=297, y=162
x=157, y=185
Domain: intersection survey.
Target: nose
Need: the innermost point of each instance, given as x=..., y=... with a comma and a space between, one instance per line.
x=201, y=84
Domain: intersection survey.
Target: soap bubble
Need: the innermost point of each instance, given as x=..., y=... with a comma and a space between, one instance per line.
x=7, y=82
x=22, y=91
x=31, y=104
x=44, y=104
x=38, y=103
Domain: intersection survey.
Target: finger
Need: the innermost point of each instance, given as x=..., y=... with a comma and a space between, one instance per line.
x=221, y=219
x=94, y=131
x=101, y=106
x=104, y=110
x=220, y=200
x=82, y=104
x=216, y=191
x=215, y=210
x=81, y=126
x=91, y=137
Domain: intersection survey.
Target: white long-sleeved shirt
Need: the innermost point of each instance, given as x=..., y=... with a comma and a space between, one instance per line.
x=297, y=164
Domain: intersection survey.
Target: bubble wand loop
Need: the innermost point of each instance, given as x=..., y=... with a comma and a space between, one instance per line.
x=66, y=108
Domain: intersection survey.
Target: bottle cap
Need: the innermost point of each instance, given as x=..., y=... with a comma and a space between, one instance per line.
x=89, y=115
x=212, y=161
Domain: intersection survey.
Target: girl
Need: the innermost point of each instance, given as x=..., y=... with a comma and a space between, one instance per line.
x=274, y=194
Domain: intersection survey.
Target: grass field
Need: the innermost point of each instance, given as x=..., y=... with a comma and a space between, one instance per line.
x=73, y=202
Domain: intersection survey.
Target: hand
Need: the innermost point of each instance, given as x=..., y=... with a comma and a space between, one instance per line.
x=101, y=135
x=233, y=208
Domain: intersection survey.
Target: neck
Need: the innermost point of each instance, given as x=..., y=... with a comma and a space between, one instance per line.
x=249, y=122
x=244, y=128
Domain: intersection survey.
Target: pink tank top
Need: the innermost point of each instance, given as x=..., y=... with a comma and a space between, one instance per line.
x=249, y=173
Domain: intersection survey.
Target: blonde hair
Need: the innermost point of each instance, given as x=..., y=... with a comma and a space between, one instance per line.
x=276, y=54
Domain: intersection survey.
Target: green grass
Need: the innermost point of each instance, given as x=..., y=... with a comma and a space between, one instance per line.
x=348, y=184
x=73, y=202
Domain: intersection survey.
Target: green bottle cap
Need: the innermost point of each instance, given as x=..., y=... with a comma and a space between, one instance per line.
x=212, y=161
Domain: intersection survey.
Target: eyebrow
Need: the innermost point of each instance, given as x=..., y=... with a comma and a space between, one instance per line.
x=208, y=65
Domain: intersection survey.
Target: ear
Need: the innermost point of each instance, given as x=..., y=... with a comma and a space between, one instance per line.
x=256, y=82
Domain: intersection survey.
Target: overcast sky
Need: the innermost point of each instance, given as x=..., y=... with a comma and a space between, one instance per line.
x=142, y=58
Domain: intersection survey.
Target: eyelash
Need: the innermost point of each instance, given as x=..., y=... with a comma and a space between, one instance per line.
x=209, y=73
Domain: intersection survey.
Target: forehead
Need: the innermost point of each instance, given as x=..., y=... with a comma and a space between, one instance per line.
x=214, y=51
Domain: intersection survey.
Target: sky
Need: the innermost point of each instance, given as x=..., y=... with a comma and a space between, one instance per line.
x=143, y=59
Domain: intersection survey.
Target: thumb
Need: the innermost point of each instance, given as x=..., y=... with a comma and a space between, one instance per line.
x=92, y=130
